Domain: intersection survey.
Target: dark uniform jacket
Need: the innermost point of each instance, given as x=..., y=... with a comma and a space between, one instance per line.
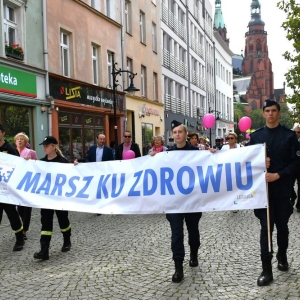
x=58, y=158
x=282, y=146
x=186, y=147
x=8, y=148
x=134, y=147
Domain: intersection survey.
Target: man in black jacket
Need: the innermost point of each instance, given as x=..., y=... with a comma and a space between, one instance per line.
x=179, y=132
x=10, y=209
x=281, y=162
x=127, y=145
x=100, y=152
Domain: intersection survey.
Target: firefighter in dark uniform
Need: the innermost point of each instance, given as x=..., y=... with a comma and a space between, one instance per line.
x=281, y=162
x=10, y=209
x=53, y=154
x=176, y=220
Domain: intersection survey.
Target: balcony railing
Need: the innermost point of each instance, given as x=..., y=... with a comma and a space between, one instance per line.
x=198, y=80
x=176, y=105
x=174, y=64
x=197, y=47
x=169, y=18
x=198, y=15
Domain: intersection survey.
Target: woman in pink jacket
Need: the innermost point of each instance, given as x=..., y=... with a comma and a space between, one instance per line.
x=21, y=140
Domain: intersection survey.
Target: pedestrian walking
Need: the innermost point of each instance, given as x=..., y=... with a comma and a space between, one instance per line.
x=53, y=154
x=281, y=162
x=127, y=145
x=296, y=177
x=21, y=141
x=10, y=209
x=179, y=132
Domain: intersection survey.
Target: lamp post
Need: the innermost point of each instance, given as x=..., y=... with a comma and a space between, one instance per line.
x=217, y=113
x=131, y=89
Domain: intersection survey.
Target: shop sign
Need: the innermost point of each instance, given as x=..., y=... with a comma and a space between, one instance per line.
x=149, y=111
x=69, y=91
x=17, y=82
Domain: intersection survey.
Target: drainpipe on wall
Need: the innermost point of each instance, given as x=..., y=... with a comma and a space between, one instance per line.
x=215, y=83
x=188, y=61
x=123, y=61
x=45, y=46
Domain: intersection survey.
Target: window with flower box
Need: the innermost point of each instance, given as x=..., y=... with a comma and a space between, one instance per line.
x=13, y=14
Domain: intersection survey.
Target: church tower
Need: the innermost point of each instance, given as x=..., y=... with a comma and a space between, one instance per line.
x=256, y=61
x=219, y=24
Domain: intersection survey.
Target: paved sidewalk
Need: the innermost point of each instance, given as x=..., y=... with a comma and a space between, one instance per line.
x=129, y=257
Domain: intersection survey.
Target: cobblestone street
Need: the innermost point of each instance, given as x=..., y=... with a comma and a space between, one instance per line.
x=129, y=257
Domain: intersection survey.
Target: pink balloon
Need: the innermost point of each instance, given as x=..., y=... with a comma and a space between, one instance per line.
x=245, y=124
x=208, y=120
x=247, y=136
x=128, y=154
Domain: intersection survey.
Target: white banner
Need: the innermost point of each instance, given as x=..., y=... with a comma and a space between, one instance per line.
x=169, y=182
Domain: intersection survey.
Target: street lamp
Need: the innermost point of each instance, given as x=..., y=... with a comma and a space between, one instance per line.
x=217, y=113
x=131, y=89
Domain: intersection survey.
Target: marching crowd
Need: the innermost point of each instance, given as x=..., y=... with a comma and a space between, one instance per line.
x=282, y=165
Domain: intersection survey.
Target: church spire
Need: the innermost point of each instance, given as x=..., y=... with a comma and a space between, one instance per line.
x=219, y=21
x=255, y=14
x=219, y=24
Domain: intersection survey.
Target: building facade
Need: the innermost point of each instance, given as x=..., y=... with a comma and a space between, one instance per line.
x=142, y=55
x=187, y=63
x=22, y=73
x=224, y=79
x=81, y=47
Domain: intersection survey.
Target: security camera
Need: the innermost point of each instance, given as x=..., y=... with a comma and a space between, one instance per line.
x=141, y=115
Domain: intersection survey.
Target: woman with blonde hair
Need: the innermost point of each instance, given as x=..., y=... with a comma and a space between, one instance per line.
x=53, y=154
x=21, y=140
x=231, y=139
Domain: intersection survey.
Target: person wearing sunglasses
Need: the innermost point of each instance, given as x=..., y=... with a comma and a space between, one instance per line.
x=282, y=161
x=231, y=139
x=127, y=145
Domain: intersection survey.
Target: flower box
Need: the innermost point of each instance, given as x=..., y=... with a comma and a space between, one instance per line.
x=14, y=51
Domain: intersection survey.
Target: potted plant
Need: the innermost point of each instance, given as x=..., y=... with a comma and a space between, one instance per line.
x=14, y=51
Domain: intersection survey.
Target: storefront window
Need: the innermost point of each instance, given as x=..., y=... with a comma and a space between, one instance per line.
x=15, y=119
x=77, y=132
x=147, y=134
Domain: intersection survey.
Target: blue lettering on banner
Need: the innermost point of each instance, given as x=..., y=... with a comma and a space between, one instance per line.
x=148, y=180
x=101, y=186
x=26, y=180
x=228, y=177
x=60, y=180
x=152, y=174
x=191, y=181
x=115, y=194
x=165, y=182
x=81, y=194
x=249, y=177
x=45, y=186
x=72, y=186
x=132, y=192
x=215, y=181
